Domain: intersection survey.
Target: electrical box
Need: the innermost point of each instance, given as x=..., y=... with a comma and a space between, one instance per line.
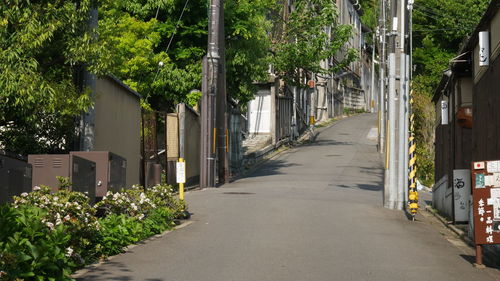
x=111, y=170
x=80, y=171
x=15, y=177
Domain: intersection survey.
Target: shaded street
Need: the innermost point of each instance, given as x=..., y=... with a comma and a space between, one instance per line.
x=313, y=213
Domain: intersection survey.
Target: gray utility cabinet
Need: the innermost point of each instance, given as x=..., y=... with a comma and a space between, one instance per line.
x=15, y=177
x=80, y=171
x=111, y=170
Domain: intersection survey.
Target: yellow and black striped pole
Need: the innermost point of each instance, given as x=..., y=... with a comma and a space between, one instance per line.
x=412, y=163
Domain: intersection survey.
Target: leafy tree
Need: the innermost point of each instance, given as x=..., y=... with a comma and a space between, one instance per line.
x=143, y=33
x=369, y=14
x=248, y=44
x=305, y=40
x=439, y=28
x=41, y=45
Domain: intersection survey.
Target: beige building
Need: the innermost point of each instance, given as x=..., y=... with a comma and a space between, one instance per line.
x=118, y=123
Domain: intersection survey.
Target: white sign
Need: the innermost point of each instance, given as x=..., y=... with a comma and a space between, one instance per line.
x=484, y=48
x=444, y=112
x=181, y=172
x=493, y=166
x=461, y=190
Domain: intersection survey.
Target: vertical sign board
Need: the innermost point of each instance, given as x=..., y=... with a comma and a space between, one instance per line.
x=444, y=112
x=461, y=191
x=484, y=48
x=486, y=204
x=181, y=172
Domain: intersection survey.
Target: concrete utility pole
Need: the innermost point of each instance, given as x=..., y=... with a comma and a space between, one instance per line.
x=372, y=86
x=402, y=147
x=382, y=99
x=210, y=89
x=391, y=184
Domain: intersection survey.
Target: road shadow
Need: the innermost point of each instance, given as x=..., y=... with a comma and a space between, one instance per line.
x=328, y=142
x=112, y=270
x=104, y=271
x=369, y=187
x=270, y=168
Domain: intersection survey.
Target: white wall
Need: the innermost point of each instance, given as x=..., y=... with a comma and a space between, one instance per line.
x=259, y=113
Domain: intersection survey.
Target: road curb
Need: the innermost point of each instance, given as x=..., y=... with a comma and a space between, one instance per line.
x=489, y=256
x=460, y=233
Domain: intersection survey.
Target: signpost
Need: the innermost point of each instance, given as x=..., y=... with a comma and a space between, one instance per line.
x=181, y=176
x=486, y=205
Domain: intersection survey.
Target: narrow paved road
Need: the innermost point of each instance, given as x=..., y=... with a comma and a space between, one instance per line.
x=314, y=213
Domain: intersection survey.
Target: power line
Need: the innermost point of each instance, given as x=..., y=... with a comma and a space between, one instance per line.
x=176, y=26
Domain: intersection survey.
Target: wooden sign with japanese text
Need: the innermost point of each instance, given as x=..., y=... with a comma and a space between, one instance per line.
x=486, y=202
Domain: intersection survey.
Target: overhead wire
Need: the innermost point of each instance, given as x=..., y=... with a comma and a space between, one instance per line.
x=176, y=26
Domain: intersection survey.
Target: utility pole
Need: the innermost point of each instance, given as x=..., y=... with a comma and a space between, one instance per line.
x=402, y=147
x=222, y=132
x=210, y=89
x=390, y=189
x=372, y=86
x=382, y=99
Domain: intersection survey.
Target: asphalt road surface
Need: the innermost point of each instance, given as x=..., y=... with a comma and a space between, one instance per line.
x=313, y=213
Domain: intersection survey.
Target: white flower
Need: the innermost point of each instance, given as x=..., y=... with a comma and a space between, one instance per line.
x=36, y=187
x=24, y=194
x=69, y=252
x=134, y=207
x=78, y=207
x=67, y=218
x=55, y=198
x=58, y=221
x=141, y=216
x=50, y=225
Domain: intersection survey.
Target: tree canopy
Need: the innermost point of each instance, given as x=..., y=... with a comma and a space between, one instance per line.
x=439, y=28
x=41, y=45
x=153, y=46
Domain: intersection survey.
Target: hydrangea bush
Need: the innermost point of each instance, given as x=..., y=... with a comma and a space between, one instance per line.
x=71, y=209
x=138, y=202
x=42, y=228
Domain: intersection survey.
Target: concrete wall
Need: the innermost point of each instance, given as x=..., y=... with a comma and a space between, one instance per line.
x=118, y=124
x=192, y=144
x=259, y=111
x=442, y=197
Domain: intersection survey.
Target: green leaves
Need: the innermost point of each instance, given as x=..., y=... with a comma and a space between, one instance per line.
x=309, y=35
x=439, y=28
x=41, y=43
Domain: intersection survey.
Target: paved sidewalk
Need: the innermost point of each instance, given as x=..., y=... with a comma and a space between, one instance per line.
x=314, y=213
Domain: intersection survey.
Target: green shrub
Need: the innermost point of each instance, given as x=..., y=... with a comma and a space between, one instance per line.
x=72, y=210
x=29, y=249
x=47, y=235
x=121, y=230
x=137, y=202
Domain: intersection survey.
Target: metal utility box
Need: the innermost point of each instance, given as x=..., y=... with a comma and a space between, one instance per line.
x=111, y=170
x=80, y=171
x=15, y=177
